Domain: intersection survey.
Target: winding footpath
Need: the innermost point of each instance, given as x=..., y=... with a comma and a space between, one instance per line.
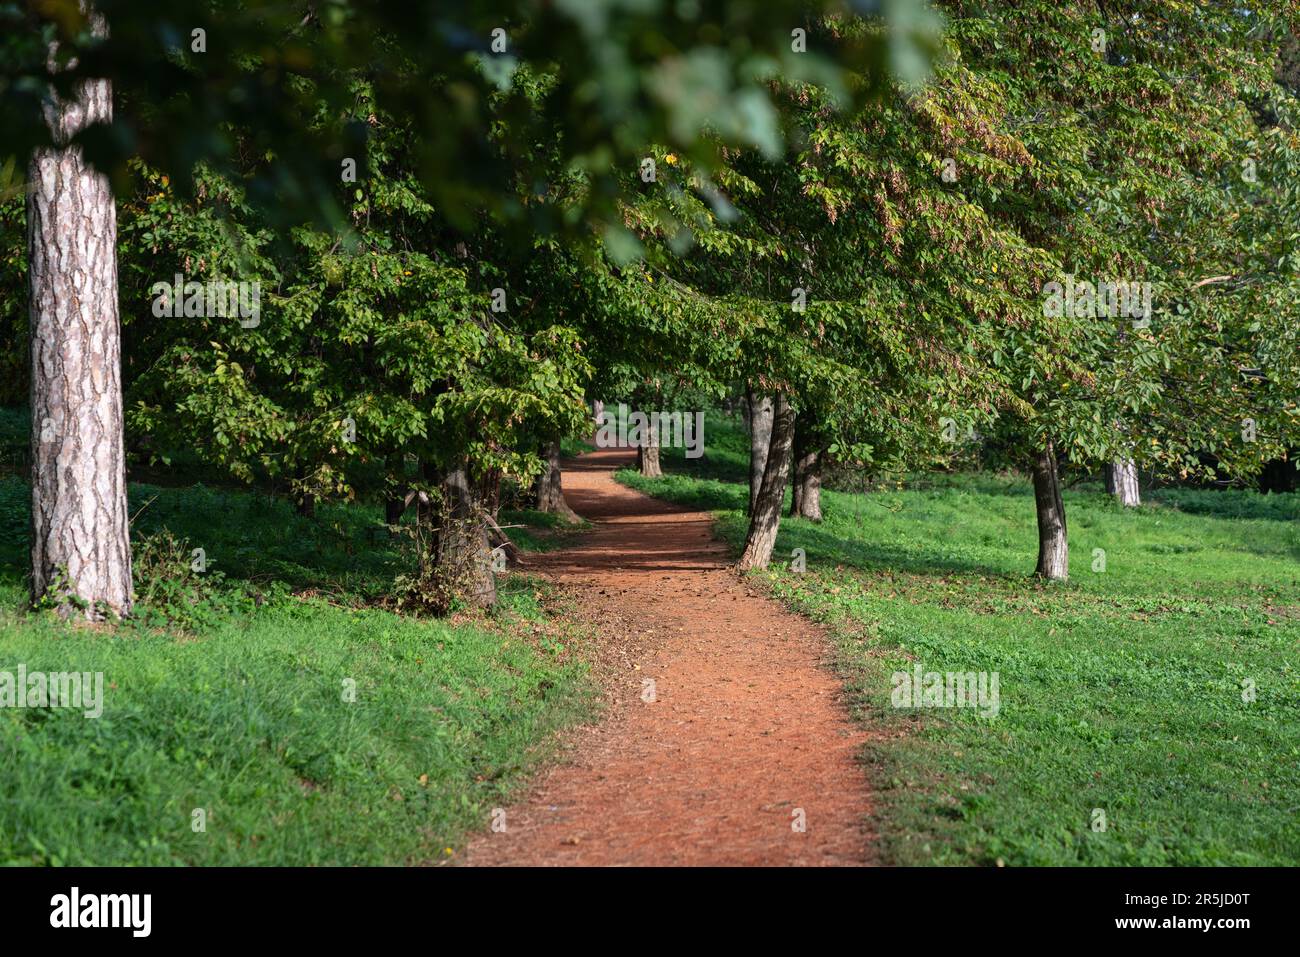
x=746, y=737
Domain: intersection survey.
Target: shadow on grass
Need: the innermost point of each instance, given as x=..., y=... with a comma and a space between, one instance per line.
x=250, y=537
x=825, y=549
x=820, y=543
x=1231, y=503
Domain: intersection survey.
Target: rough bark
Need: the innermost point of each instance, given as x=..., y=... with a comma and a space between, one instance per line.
x=806, y=484
x=81, y=548
x=462, y=555
x=759, y=410
x=796, y=478
x=765, y=518
x=549, y=487
x=810, y=487
x=1053, y=546
x=647, y=459
x=1122, y=482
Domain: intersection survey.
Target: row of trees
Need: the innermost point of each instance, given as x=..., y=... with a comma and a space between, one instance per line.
x=1078, y=241
x=464, y=223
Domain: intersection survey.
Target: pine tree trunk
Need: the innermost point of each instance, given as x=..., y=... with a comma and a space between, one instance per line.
x=765, y=520
x=759, y=410
x=1053, y=545
x=80, y=523
x=549, y=486
x=1122, y=482
x=462, y=555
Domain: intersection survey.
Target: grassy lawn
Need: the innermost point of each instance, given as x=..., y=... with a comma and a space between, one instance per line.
x=1120, y=691
x=228, y=695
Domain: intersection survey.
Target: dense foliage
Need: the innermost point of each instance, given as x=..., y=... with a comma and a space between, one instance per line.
x=549, y=204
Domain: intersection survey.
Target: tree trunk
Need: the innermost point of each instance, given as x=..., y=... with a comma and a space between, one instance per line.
x=765, y=520
x=796, y=478
x=81, y=546
x=1122, y=482
x=462, y=556
x=549, y=486
x=647, y=458
x=810, y=487
x=806, y=486
x=1053, y=546
x=759, y=410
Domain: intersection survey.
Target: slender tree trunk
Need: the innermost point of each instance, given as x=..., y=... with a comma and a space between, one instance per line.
x=765, y=520
x=759, y=410
x=1053, y=546
x=806, y=485
x=81, y=545
x=810, y=486
x=549, y=486
x=462, y=555
x=1122, y=482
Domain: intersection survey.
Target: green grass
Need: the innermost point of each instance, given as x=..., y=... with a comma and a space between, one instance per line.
x=229, y=696
x=571, y=447
x=1120, y=690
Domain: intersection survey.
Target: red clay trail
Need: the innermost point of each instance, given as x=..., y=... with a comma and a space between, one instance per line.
x=746, y=732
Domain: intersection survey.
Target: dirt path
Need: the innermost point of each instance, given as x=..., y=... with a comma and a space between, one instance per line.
x=745, y=735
